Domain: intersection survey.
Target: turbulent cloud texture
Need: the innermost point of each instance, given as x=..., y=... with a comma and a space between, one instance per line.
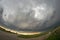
x=29, y=15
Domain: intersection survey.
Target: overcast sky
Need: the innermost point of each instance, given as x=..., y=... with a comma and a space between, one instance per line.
x=20, y=14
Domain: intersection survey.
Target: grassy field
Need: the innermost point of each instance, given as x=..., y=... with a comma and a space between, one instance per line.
x=55, y=35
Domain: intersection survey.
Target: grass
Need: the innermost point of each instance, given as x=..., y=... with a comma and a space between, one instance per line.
x=24, y=36
x=32, y=36
x=55, y=35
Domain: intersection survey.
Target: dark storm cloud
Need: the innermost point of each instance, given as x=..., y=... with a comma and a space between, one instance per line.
x=17, y=8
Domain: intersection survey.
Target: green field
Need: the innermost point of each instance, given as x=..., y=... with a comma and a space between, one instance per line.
x=55, y=35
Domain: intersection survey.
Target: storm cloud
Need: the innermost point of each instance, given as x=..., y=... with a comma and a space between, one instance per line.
x=30, y=15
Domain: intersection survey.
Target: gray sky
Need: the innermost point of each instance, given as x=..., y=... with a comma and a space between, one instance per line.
x=20, y=14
